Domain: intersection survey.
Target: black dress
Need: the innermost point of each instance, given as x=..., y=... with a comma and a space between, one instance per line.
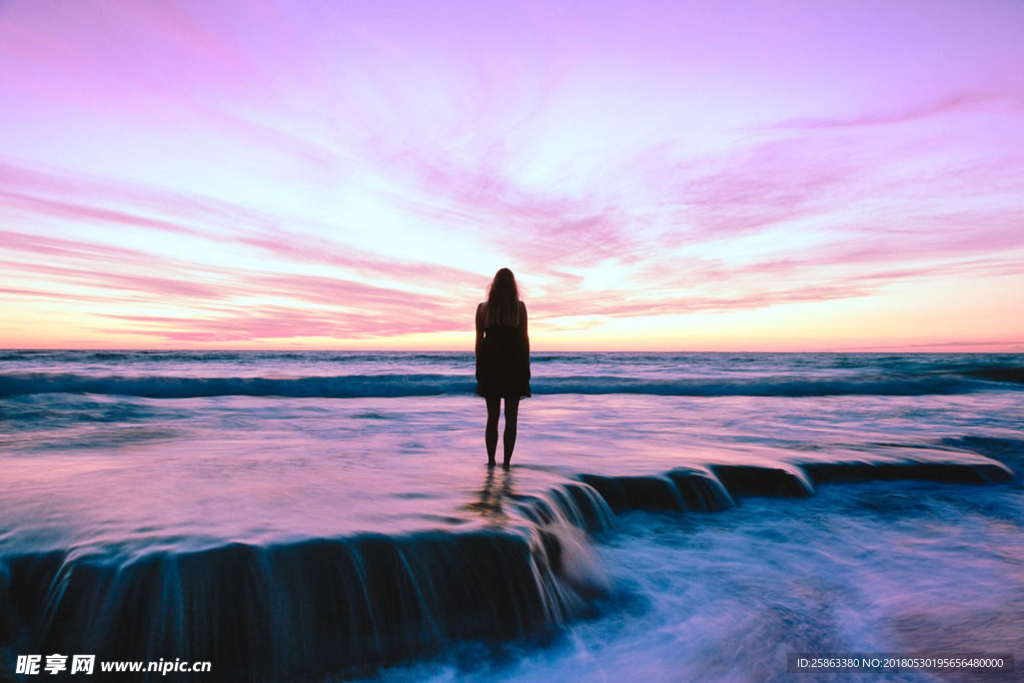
x=503, y=364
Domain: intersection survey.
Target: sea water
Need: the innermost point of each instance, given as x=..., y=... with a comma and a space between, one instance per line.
x=673, y=516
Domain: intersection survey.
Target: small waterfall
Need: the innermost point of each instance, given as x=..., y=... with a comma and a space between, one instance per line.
x=305, y=609
x=701, y=490
x=563, y=516
x=751, y=480
x=301, y=609
x=346, y=606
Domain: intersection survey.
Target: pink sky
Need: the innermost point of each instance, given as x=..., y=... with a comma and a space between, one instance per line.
x=660, y=175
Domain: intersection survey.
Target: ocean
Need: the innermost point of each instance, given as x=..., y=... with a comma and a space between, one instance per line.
x=667, y=516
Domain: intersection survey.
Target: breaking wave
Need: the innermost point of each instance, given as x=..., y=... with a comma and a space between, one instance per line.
x=395, y=385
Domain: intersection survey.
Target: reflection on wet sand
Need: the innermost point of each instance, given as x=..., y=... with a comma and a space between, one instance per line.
x=497, y=488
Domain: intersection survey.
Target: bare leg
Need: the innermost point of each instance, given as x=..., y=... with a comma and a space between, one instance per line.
x=511, y=422
x=491, y=431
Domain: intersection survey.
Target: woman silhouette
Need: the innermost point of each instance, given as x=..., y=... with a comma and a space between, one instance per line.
x=502, y=359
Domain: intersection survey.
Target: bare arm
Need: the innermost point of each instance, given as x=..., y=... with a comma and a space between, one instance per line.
x=479, y=330
x=525, y=325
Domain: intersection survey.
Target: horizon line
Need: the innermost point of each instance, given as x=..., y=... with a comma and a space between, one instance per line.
x=1016, y=349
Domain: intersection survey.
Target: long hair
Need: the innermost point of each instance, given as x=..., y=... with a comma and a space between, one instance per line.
x=502, y=300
